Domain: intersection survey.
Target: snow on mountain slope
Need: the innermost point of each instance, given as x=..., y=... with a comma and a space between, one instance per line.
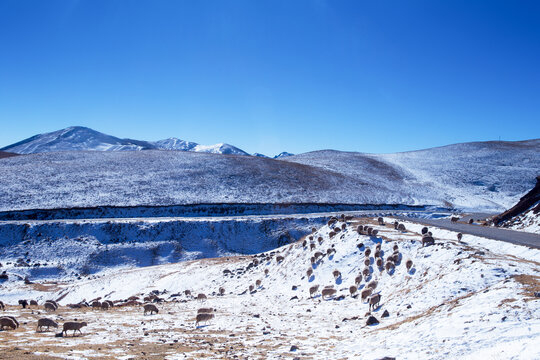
x=479, y=176
x=78, y=138
x=468, y=300
x=283, y=155
x=75, y=138
x=89, y=179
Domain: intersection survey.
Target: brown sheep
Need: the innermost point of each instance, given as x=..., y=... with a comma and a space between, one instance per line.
x=358, y=280
x=427, y=240
x=310, y=237
x=367, y=262
x=353, y=289
x=304, y=243
x=2, y=306
x=395, y=247
x=372, y=285
x=312, y=246
x=320, y=240
x=331, y=234
x=318, y=254
x=343, y=226
x=409, y=264
x=105, y=305
x=337, y=229
x=96, y=305
x=49, y=306
x=73, y=325
x=369, y=231
x=367, y=252
x=396, y=224
x=279, y=259
x=33, y=303
x=187, y=292
x=425, y=230
x=309, y=273
x=205, y=310
x=313, y=260
x=151, y=308
x=266, y=271
x=201, y=297
x=328, y=292
x=374, y=301
x=313, y=229
x=377, y=254
x=365, y=293
x=360, y=229
x=313, y=290
x=454, y=219
x=7, y=322
x=44, y=322
x=258, y=283
x=401, y=227
x=366, y=272
x=459, y=236
x=380, y=220
x=336, y=274
x=378, y=247
x=374, y=232
x=360, y=245
x=251, y=288
x=389, y=266
x=203, y=317
x=221, y=291
x=379, y=262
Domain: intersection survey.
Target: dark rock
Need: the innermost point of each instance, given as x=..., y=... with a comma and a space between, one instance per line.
x=372, y=320
x=294, y=287
x=294, y=298
x=385, y=314
x=294, y=348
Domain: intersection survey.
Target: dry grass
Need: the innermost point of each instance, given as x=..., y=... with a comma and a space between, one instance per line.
x=531, y=284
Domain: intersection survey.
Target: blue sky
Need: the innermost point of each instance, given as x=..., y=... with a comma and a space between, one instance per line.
x=272, y=76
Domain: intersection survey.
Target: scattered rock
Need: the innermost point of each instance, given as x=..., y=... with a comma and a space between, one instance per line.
x=372, y=320
x=294, y=287
x=294, y=348
x=294, y=298
x=385, y=314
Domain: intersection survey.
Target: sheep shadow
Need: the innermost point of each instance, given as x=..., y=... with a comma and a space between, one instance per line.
x=375, y=239
x=391, y=271
x=331, y=257
x=311, y=278
x=339, y=281
x=315, y=265
x=412, y=271
x=201, y=326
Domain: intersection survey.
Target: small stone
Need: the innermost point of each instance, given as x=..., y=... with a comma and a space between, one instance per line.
x=372, y=320
x=294, y=348
x=294, y=287
x=294, y=298
x=385, y=314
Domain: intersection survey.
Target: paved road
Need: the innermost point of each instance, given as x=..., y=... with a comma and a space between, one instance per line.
x=511, y=236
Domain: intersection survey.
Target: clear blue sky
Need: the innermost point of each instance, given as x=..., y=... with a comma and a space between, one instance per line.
x=272, y=76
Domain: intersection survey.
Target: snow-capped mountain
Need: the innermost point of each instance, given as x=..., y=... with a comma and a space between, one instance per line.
x=79, y=138
x=283, y=155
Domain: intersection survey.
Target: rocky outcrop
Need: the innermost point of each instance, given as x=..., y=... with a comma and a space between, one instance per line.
x=530, y=201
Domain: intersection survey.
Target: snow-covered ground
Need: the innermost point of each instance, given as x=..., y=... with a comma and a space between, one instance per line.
x=472, y=299
x=529, y=221
x=474, y=176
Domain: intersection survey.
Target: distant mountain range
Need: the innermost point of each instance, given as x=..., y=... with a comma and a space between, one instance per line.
x=79, y=138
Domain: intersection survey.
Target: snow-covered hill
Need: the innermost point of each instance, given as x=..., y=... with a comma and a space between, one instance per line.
x=78, y=138
x=473, y=299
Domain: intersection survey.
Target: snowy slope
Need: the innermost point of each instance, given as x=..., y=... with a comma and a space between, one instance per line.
x=482, y=175
x=460, y=300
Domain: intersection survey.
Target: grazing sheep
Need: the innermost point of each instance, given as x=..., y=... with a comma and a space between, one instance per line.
x=471, y=221
x=187, y=292
x=23, y=303
x=378, y=247
x=266, y=271
x=401, y=227
x=318, y=254
x=33, y=303
x=313, y=260
x=343, y=226
x=425, y=230
x=151, y=308
x=377, y=253
x=304, y=243
x=367, y=252
x=336, y=274
x=374, y=301
x=353, y=289
x=205, y=310
x=380, y=220
x=430, y=233
x=369, y=231
x=7, y=322
x=312, y=246
x=374, y=232
x=358, y=279
x=409, y=264
x=258, y=283
x=73, y=325
x=459, y=236
x=279, y=259
x=372, y=285
x=389, y=266
x=360, y=245
x=320, y=240
x=221, y=291
x=251, y=288
x=396, y=224
x=313, y=229
x=330, y=251
x=454, y=219
x=201, y=297
x=360, y=229
x=367, y=262
x=44, y=322
x=313, y=290
x=105, y=305
x=331, y=234
x=52, y=302
x=2, y=306
x=395, y=248
x=327, y=292
x=366, y=272
x=337, y=229
x=49, y=306
x=203, y=317
x=365, y=293
x=427, y=240
x=379, y=262
x=309, y=272
x=96, y=305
